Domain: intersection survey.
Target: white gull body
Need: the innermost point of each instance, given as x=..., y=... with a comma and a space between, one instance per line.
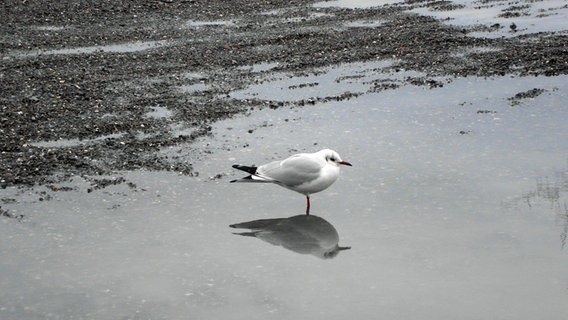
x=306, y=173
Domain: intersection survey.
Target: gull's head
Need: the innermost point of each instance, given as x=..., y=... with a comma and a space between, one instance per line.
x=333, y=157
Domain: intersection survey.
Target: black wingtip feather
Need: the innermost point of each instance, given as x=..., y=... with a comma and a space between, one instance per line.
x=248, y=169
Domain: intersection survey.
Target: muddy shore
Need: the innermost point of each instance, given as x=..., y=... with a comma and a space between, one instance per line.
x=83, y=82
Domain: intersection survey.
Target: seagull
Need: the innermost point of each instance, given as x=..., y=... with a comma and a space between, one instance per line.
x=306, y=173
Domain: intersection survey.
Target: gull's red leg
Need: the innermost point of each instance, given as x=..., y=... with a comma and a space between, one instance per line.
x=308, y=207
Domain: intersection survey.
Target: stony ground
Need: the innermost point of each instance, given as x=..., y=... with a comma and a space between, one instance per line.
x=105, y=95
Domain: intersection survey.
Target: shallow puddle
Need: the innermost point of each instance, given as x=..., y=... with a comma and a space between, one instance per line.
x=506, y=19
x=159, y=112
x=335, y=81
x=217, y=23
x=193, y=88
x=354, y=4
x=260, y=67
x=454, y=208
x=115, y=48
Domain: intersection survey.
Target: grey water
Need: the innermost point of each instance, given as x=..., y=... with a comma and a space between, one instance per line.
x=126, y=47
x=455, y=207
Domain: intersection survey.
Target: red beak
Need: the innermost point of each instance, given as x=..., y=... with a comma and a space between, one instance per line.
x=345, y=163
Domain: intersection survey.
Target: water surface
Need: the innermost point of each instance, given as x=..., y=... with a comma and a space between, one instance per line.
x=454, y=208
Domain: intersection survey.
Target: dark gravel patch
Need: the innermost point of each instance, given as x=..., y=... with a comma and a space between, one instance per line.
x=529, y=94
x=96, y=103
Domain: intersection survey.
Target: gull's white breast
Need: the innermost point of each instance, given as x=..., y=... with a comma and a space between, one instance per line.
x=328, y=174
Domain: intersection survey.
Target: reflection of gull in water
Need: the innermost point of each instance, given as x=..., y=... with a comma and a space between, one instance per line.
x=305, y=234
